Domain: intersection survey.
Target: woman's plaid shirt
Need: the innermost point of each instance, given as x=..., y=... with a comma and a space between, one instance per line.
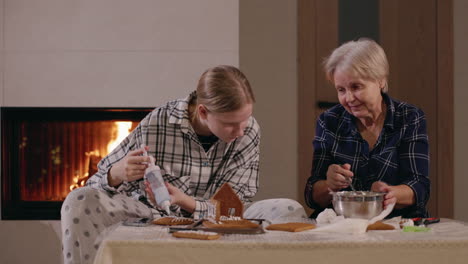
x=400, y=155
x=175, y=145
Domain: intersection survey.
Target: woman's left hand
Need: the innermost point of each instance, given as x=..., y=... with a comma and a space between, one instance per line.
x=390, y=197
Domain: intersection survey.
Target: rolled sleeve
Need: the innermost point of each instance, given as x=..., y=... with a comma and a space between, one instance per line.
x=414, y=159
x=203, y=209
x=320, y=162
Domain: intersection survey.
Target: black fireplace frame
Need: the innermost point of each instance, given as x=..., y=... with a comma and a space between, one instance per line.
x=12, y=207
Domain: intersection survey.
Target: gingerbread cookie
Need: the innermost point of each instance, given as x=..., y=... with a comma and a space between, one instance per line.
x=196, y=235
x=291, y=227
x=240, y=223
x=173, y=221
x=379, y=225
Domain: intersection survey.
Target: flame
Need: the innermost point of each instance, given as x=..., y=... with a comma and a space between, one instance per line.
x=120, y=133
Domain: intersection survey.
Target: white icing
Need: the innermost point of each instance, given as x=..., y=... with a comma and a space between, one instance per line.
x=212, y=220
x=232, y=218
x=406, y=222
x=198, y=232
x=180, y=219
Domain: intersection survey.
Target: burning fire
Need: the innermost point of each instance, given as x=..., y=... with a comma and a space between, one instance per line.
x=120, y=131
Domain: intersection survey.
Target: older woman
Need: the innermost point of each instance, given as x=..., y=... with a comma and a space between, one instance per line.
x=370, y=139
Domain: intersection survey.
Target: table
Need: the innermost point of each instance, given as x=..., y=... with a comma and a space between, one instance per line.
x=447, y=242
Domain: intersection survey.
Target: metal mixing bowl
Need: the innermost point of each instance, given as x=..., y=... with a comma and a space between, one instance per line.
x=358, y=204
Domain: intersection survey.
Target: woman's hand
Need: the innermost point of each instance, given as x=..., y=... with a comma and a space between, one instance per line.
x=131, y=168
x=390, y=197
x=402, y=195
x=339, y=176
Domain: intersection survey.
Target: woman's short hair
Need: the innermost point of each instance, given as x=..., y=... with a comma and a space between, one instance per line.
x=224, y=89
x=363, y=58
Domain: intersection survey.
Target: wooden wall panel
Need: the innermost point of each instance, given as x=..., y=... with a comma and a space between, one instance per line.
x=417, y=45
x=306, y=92
x=326, y=42
x=317, y=37
x=445, y=111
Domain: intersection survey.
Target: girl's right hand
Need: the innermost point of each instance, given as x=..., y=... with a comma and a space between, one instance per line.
x=131, y=168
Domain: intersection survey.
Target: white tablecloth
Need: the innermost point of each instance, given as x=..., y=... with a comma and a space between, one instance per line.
x=446, y=242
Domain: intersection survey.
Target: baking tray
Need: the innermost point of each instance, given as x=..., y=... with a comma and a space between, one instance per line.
x=197, y=226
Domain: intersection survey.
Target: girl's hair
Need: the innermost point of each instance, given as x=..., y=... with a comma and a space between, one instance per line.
x=363, y=58
x=223, y=89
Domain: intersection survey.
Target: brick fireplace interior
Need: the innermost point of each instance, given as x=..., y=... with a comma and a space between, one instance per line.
x=47, y=152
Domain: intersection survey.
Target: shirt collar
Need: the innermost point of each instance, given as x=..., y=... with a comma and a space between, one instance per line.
x=349, y=121
x=390, y=118
x=179, y=113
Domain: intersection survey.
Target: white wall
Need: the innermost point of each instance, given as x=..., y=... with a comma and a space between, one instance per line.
x=113, y=52
x=268, y=57
x=461, y=108
x=30, y=242
x=103, y=53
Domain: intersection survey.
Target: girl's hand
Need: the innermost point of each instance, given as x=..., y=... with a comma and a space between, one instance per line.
x=177, y=197
x=150, y=193
x=131, y=168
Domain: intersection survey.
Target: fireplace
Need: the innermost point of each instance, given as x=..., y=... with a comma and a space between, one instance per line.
x=47, y=152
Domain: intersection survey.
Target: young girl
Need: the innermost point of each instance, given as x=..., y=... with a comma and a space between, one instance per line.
x=200, y=142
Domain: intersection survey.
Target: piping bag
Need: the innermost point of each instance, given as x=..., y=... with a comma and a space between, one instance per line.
x=154, y=177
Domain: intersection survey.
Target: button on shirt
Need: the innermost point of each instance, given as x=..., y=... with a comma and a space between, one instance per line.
x=400, y=155
x=186, y=164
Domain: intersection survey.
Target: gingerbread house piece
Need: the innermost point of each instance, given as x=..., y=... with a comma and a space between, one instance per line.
x=228, y=203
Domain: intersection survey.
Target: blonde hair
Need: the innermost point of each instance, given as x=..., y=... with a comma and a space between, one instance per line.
x=363, y=58
x=223, y=89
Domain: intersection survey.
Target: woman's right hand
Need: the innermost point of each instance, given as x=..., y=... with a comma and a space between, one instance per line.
x=131, y=168
x=339, y=176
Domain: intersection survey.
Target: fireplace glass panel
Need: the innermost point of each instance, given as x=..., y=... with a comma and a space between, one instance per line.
x=56, y=157
x=47, y=152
